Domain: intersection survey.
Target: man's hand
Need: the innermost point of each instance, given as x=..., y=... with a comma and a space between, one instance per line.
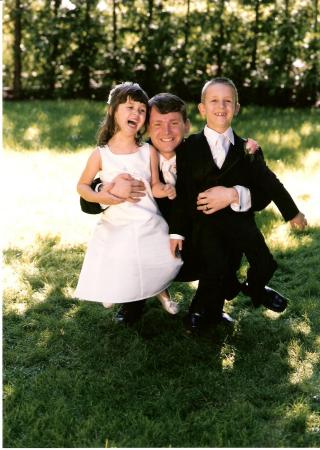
x=176, y=247
x=251, y=146
x=105, y=196
x=299, y=221
x=216, y=198
x=125, y=187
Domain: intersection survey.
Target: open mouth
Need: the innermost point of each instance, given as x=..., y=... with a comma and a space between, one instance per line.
x=132, y=123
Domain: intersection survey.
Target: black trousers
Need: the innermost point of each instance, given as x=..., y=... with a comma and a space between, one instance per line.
x=220, y=241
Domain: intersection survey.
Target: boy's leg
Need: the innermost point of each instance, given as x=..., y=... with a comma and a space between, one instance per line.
x=207, y=305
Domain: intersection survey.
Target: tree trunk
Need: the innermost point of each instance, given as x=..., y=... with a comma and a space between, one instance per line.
x=220, y=39
x=54, y=50
x=85, y=72
x=115, y=66
x=17, y=13
x=253, y=64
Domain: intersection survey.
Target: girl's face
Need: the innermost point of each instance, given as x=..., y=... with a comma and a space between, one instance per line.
x=130, y=116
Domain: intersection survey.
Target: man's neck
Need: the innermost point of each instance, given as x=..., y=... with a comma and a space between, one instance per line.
x=167, y=155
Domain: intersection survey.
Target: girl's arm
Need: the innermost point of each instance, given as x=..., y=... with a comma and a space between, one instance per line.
x=159, y=190
x=93, y=166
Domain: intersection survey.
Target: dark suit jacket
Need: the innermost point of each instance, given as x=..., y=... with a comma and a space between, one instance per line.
x=196, y=172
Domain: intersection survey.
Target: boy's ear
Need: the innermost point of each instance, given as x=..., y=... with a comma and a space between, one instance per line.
x=202, y=110
x=237, y=109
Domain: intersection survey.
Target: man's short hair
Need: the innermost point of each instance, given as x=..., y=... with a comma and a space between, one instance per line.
x=219, y=80
x=167, y=103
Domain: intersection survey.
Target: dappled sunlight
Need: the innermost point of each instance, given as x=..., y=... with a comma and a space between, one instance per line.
x=283, y=238
x=291, y=138
x=43, y=339
x=306, y=129
x=227, y=357
x=31, y=133
x=301, y=362
x=300, y=326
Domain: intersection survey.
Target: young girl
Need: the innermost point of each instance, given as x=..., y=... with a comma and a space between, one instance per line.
x=128, y=257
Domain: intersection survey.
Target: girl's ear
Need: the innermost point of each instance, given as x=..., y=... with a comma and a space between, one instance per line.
x=237, y=109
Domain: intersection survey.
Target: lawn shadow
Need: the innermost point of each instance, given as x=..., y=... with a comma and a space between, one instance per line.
x=74, y=373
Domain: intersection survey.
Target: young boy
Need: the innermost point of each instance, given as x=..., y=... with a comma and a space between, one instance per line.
x=217, y=156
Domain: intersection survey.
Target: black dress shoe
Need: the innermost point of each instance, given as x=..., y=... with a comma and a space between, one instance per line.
x=197, y=323
x=127, y=317
x=271, y=299
x=226, y=319
x=268, y=297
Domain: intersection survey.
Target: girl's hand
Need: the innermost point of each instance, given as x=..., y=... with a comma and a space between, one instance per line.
x=170, y=191
x=251, y=146
x=299, y=221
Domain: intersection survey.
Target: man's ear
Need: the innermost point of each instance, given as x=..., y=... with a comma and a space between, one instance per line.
x=237, y=109
x=202, y=110
x=187, y=126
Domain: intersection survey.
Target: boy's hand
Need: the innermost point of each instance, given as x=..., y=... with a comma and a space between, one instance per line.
x=216, y=198
x=251, y=146
x=176, y=247
x=299, y=221
x=170, y=191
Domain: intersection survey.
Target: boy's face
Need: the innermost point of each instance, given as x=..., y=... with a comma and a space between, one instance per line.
x=219, y=107
x=167, y=131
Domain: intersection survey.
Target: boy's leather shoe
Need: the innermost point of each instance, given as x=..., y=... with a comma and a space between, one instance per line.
x=273, y=300
x=196, y=323
x=269, y=298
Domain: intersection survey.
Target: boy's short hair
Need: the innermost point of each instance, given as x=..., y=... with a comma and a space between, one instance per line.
x=219, y=80
x=167, y=103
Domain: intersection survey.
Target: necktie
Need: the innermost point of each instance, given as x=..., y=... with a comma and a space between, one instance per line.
x=169, y=171
x=220, y=152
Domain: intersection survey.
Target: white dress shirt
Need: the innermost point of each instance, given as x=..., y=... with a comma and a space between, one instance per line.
x=169, y=169
x=219, y=145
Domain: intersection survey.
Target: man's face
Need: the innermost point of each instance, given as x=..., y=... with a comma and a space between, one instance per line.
x=219, y=107
x=166, y=131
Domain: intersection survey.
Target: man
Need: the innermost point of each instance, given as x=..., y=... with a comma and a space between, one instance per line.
x=168, y=125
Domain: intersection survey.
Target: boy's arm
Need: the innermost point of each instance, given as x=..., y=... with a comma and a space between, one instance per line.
x=266, y=180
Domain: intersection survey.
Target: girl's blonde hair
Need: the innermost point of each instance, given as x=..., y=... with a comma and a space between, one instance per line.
x=119, y=94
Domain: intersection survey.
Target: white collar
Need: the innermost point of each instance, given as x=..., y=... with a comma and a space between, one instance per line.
x=212, y=135
x=166, y=161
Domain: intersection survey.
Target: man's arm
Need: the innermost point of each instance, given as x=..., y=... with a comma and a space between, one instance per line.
x=92, y=207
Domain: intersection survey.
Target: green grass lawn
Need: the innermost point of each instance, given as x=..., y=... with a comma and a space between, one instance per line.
x=74, y=378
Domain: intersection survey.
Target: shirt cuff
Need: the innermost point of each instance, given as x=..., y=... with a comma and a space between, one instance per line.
x=244, y=199
x=176, y=236
x=98, y=187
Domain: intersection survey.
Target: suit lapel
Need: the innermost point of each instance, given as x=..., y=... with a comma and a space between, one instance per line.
x=204, y=156
x=235, y=153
